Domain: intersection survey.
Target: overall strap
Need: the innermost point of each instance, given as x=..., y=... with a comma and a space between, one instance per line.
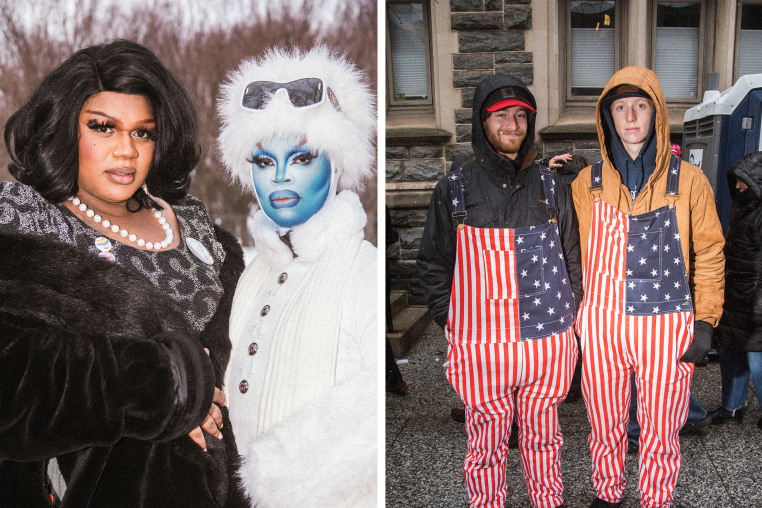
x=457, y=195
x=673, y=179
x=596, y=179
x=549, y=190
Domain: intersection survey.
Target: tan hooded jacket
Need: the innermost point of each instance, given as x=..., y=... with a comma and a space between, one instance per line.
x=700, y=230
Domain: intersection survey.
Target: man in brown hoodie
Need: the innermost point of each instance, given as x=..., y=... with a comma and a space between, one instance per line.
x=648, y=310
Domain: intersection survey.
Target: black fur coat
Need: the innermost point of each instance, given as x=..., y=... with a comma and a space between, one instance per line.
x=87, y=353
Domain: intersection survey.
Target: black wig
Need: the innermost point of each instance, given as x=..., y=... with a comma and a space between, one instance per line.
x=42, y=137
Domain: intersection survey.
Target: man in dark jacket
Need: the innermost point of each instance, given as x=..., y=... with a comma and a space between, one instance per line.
x=499, y=262
x=739, y=334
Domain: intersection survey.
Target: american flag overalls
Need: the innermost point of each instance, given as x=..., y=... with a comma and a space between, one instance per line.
x=636, y=316
x=511, y=346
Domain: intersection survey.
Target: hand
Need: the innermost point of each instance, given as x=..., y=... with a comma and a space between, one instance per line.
x=558, y=161
x=213, y=421
x=702, y=343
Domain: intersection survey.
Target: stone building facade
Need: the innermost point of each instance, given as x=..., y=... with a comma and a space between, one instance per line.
x=470, y=39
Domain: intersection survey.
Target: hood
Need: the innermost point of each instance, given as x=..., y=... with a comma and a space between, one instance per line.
x=482, y=148
x=655, y=153
x=749, y=170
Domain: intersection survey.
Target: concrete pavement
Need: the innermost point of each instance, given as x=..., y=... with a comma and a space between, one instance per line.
x=722, y=466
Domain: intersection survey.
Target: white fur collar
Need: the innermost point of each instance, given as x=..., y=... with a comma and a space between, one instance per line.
x=340, y=217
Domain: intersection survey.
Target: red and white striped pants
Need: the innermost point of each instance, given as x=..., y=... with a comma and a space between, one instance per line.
x=493, y=379
x=614, y=346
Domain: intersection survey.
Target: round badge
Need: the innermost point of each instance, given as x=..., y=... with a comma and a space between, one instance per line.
x=198, y=250
x=103, y=244
x=107, y=255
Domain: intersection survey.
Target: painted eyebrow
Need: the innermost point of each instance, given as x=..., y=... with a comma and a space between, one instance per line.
x=114, y=119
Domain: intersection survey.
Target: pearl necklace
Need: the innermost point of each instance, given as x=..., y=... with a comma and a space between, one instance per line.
x=169, y=234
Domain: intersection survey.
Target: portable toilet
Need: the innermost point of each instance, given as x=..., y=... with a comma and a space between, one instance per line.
x=721, y=130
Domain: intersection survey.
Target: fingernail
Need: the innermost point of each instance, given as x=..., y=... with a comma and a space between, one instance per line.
x=220, y=437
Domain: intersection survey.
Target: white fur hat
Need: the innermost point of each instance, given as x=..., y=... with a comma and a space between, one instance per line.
x=344, y=133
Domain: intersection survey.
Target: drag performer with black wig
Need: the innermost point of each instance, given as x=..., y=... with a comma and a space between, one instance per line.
x=298, y=132
x=115, y=295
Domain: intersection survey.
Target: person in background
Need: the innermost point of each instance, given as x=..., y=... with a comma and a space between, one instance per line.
x=642, y=213
x=298, y=132
x=499, y=264
x=739, y=334
x=394, y=381
x=113, y=283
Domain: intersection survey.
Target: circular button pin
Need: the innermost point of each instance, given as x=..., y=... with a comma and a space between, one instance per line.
x=264, y=310
x=244, y=386
x=282, y=278
x=253, y=348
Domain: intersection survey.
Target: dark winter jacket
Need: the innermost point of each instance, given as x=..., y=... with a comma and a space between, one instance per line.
x=741, y=323
x=96, y=369
x=498, y=194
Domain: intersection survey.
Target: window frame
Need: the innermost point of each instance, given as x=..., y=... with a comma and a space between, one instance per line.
x=620, y=49
x=394, y=104
x=705, y=43
x=737, y=35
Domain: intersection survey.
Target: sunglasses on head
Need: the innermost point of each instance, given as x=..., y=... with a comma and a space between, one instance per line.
x=302, y=93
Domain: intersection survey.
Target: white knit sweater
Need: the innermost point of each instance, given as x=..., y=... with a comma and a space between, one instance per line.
x=306, y=424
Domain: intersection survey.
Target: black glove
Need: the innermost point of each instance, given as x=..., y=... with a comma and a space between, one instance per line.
x=702, y=343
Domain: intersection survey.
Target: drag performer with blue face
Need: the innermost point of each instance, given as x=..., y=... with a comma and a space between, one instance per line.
x=297, y=132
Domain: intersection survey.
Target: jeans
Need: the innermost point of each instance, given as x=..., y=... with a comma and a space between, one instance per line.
x=736, y=367
x=696, y=411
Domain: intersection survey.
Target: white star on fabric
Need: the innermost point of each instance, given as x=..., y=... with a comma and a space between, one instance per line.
x=630, y=248
x=566, y=305
x=536, y=301
x=547, y=286
x=677, y=236
x=629, y=273
x=674, y=171
x=643, y=237
x=540, y=326
x=597, y=179
x=455, y=202
x=555, y=270
x=677, y=284
x=534, y=258
x=656, y=310
x=688, y=297
x=558, y=295
x=551, y=311
x=542, y=235
x=666, y=248
x=520, y=240
x=523, y=273
x=677, y=308
x=552, y=243
x=666, y=222
x=667, y=297
x=657, y=285
x=654, y=247
x=642, y=261
x=531, y=227
x=537, y=283
x=666, y=273
x=563, y=319
x=677, y=261
x=525, y=316
x=654, y=273
x=630, y=309
x=643, y=298
x=544, y=260
x=563, y=281
x=631, y=285
x=560, y=255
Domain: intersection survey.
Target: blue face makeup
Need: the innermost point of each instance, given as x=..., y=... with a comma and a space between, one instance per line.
x=292, y=181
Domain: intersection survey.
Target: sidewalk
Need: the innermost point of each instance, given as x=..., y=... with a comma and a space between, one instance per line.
x=722, y=466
